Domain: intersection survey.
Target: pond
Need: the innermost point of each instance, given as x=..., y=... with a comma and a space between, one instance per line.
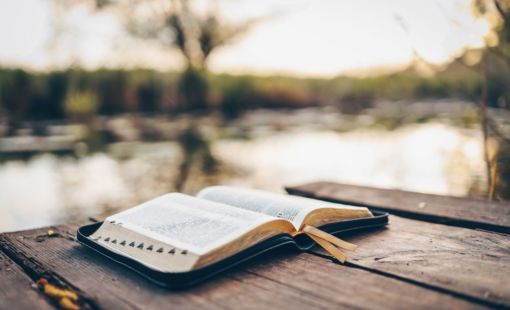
x=433, y=157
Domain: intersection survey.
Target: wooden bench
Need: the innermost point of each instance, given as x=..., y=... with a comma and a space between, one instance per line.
x=437, y=252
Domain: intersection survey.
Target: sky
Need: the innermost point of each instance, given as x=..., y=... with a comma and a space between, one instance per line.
x=321, y=38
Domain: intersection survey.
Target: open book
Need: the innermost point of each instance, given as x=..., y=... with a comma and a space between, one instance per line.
x=180, y=234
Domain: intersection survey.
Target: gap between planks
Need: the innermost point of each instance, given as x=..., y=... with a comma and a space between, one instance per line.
x=464, y=262
x=452, y=211
x=410, y=281
x=16, y=288
x=281, y=271
x=35, y=271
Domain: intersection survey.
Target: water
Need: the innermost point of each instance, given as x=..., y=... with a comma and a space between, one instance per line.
x=433, y=157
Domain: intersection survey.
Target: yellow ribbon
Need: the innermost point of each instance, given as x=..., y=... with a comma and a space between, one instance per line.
x=329, y=242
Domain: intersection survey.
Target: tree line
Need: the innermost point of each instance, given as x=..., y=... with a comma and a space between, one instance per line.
x=74, y=94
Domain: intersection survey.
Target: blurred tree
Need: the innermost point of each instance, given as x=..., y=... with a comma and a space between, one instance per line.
x=193, y=89
x=56, y=94
x=16, y=96
x=149, y=95
x=495, y=65
x=495, y=61
x=494, y=68
x=112, y=87
x=176, y=24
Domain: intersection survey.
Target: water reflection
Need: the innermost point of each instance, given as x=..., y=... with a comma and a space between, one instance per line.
x=432, y=157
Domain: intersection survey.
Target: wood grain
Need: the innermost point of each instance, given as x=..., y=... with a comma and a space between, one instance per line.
x=16, y=291
x=458, y=260
x=353, y=287
x=285, y=279
x=471, y=213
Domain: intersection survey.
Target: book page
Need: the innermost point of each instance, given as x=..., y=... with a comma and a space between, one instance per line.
x=292, y=208
x=276, y=205
x=189, y=223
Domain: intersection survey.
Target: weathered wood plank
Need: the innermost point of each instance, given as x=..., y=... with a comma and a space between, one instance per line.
x=286, y=280
x=473, y=213
x=354, y=288
x=460, y=260
x=16, y=291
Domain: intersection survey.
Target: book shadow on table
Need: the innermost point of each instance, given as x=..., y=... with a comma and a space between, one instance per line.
x=118, y=273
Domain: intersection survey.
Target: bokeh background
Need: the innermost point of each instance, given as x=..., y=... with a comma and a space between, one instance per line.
x=108, y=103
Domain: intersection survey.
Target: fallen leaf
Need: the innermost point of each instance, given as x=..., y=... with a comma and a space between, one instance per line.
x=66, y=298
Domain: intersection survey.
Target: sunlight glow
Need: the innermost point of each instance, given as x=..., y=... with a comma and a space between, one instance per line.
x=303, y=37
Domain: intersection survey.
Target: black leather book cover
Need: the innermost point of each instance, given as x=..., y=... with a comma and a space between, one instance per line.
x=186, y=279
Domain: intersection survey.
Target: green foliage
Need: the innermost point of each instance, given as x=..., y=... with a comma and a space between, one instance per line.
x=81, y=105
x=149, y=95
x=239, y=96
x=189, y=27
x=17, y=89
x=192, y=89
x=55, y=95
x=112, y=89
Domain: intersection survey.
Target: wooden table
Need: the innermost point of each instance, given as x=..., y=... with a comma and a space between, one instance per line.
x=437, y=252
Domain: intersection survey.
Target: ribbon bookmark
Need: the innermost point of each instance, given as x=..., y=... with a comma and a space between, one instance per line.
x=329, y=242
